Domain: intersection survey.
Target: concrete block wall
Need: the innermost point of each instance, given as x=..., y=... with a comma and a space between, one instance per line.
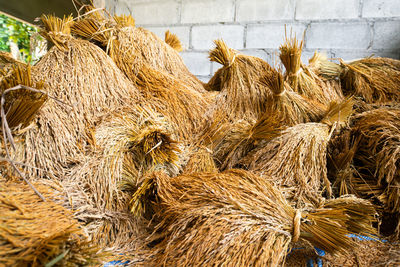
x=347, y=29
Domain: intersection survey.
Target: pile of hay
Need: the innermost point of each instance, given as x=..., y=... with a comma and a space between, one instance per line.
x=113, y=131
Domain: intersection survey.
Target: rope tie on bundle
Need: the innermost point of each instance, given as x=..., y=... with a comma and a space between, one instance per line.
x=296, y=226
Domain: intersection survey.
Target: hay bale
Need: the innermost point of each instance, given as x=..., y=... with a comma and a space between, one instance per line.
x=35, y=233
x=240, y=95
x=81, y=75
x=239, y=219
x=296, y=159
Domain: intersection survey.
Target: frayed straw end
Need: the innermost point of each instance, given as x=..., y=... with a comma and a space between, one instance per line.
x=125, y=21
x=222, y=54
x=56, y=30
x=173, y=41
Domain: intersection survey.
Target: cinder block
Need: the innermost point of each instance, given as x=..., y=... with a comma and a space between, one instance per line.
x=381, y=8
x=181, y=31
x=203, y=36
x=271, y=35
x=197, y=62
x=327, y=9
x=159, y=12
x=338, y=35
x=195, y=11
x=386, y=35
x=350, y=55
x=259, y=10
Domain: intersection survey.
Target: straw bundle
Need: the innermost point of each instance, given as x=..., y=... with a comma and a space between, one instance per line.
x=293, y=107
x=341, y=152
x=22, y=105
x=378, y=155
x=238, y=219
x=125, y=41
x=37, y=233
x=302, y=79
x=173, y=41
x=90, y=84
x=296, y=159
x=376, y=80
x=136, y=136
x=240, y=96
x=110, y=184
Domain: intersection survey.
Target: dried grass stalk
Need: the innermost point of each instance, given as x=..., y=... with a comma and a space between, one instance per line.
x=241, y=96
x=296, y=159
x=35, y=233
x=137, y=136
x=236, y=218
x=21, y=106
x=230, y=141
x=56, y=30
x=173, y=41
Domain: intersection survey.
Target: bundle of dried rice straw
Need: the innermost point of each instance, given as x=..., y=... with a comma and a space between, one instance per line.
x=240, y=95
x=293, y=107
x=38, y=233
x=302, y=79
x=296, y=159
x=89, y=83
x=236, y=218
x=376, y=80
x=124, y=41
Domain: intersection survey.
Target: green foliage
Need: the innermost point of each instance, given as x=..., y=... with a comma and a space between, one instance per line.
x=12, y=30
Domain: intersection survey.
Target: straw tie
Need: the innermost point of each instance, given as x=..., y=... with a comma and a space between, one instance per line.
x=281, y=93
x=232, y=61
x=296, y=73
x=296, y=226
